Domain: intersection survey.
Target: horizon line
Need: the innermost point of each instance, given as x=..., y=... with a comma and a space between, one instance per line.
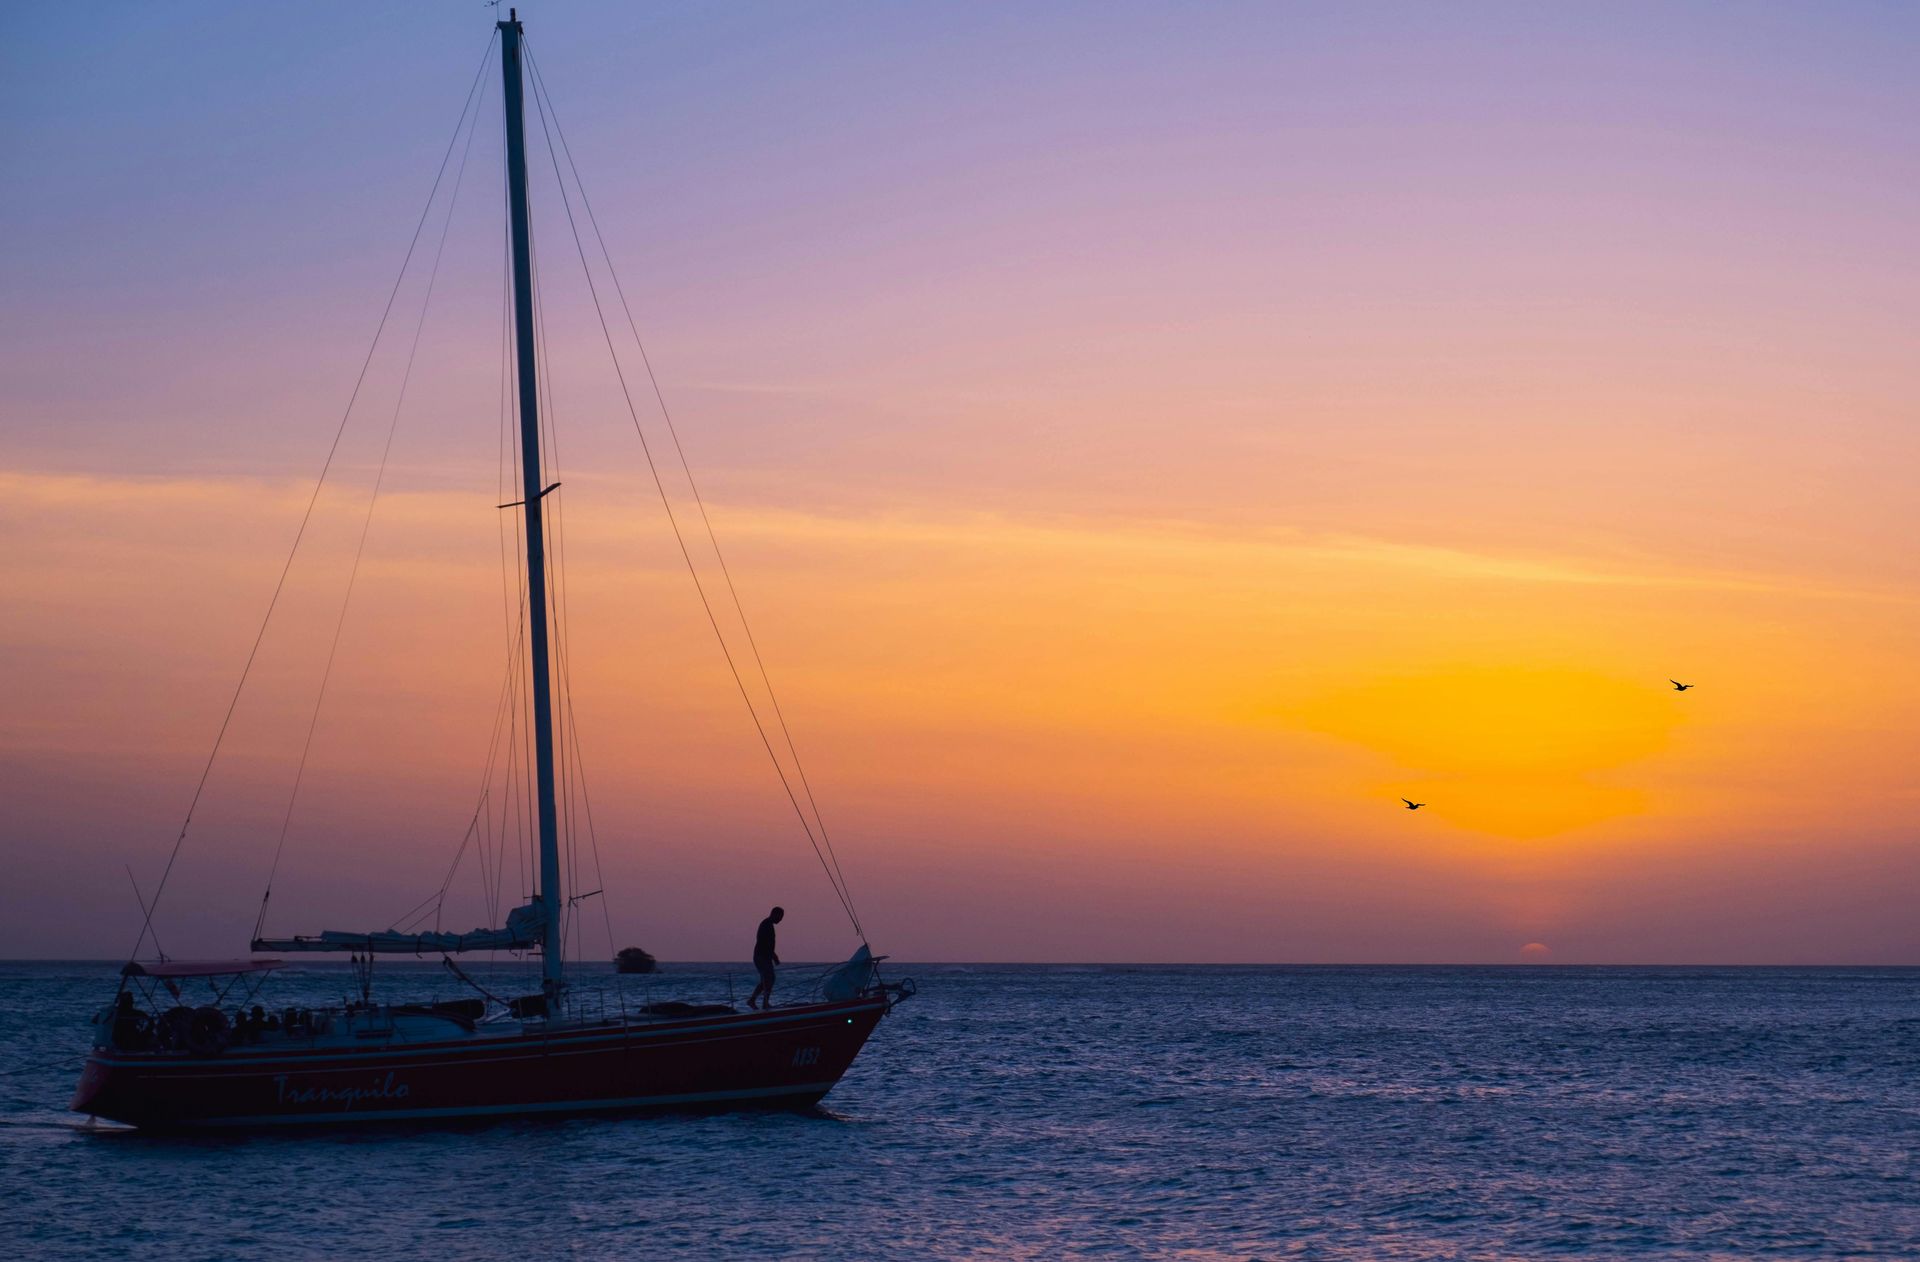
x=1329, y=964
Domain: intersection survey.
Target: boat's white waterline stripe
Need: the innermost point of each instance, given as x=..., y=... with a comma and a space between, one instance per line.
x=562, y=1044
x=494, y=1110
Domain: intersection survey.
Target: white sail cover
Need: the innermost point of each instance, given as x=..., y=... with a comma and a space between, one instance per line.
x=851, y=978
x=526, y=927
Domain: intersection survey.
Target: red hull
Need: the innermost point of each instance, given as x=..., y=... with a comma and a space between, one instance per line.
x=783, y=1056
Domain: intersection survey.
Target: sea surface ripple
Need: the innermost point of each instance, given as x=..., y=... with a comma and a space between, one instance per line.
x=1046, y=1112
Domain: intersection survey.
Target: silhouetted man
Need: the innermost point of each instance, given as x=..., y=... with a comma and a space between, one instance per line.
x=764, y=958
x=126, y=1022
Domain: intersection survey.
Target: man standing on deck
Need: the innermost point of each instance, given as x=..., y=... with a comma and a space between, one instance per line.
x=764, y=958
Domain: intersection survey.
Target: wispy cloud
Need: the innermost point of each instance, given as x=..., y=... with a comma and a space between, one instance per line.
x=111, y=503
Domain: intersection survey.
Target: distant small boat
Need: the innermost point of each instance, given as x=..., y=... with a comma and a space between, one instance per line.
x=160, y=1059
x=634, y=960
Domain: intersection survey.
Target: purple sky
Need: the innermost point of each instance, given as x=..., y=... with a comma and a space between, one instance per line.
x=1152, y=439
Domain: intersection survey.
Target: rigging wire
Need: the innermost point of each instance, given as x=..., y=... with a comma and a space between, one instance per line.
x=253, y=652
x=548, y=434
x=513, y=699
x=366, y=525
x=552, y=542
x=830, y=868
x=520, y=754
x=483, y=803
x=572, y=763
x=143, y=907
x=508, y=587
x=686, y=467
x=493, y=834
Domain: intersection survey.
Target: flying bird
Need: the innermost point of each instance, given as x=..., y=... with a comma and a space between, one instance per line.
x=1412, y=805
x=1677, y=687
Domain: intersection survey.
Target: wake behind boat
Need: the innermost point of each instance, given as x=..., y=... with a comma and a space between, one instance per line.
x=188, y=1044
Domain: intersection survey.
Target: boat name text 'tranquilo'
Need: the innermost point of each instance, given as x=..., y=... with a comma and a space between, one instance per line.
x=341, y=1097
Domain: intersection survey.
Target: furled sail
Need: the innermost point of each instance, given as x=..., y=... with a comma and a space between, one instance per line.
x=850, y=980
x=526, y=927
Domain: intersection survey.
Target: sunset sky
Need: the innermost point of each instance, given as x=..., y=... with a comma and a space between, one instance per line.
x=1150, y=441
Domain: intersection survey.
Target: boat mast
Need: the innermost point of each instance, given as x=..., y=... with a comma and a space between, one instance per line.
x=549, y=893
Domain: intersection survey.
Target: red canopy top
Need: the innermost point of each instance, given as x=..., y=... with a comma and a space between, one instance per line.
x=195, y=968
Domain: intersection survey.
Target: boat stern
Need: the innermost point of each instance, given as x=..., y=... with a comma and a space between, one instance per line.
x=94, y=1094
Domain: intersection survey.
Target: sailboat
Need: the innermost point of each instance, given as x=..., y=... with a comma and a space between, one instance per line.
x=160, y=1062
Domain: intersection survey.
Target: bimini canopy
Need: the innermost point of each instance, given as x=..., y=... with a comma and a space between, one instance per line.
x=526, y=928
x=196, y=968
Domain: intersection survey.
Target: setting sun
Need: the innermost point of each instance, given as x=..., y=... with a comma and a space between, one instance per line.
x=1507, y=751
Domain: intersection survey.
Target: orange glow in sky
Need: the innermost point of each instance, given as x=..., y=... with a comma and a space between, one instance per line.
x=1137, y=490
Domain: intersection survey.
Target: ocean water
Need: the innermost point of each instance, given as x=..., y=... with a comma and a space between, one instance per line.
x=1053, y=1112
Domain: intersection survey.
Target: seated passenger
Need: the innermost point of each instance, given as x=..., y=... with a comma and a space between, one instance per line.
x=126, y=1022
